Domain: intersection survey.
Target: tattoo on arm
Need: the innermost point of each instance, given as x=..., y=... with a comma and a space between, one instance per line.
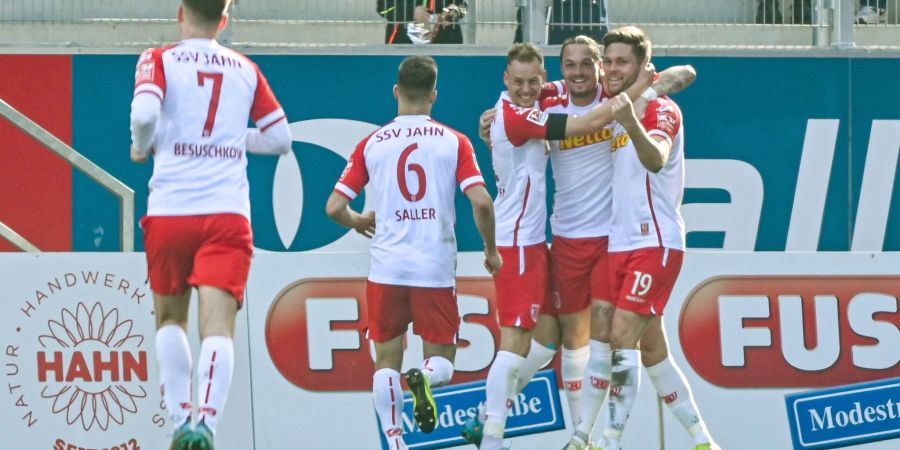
x=674, y=80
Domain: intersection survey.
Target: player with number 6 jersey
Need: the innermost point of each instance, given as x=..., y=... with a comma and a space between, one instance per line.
x=413, y=166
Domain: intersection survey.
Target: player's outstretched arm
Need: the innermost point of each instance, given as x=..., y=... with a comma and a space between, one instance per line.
x=652, y=151
x=483, y=212
x=674, y=80
x=671, y=81
x=273, y=140
x=602, y=115
x=338, y=209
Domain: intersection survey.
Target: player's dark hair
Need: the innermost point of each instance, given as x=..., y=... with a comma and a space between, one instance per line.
x=416, y=77
x=629, y=35
x=209, y=12
x=582, y=40
x=524, y=52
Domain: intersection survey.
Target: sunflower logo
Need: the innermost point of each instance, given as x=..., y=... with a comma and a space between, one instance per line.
x=93, y=366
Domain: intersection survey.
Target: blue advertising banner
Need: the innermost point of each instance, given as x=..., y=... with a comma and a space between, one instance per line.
x=845, y=415
x=535, y=410
x=795, y=161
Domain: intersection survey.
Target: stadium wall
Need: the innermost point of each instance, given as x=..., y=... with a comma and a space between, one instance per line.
x=791, y=167
x=745, y=328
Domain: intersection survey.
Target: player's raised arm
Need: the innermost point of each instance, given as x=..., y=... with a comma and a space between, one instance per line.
x=652, y=151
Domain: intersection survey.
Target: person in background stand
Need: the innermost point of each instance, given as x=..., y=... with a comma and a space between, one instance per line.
x=422, y=21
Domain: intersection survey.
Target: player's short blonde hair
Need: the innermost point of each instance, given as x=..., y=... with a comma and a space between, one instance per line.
x=524, y=52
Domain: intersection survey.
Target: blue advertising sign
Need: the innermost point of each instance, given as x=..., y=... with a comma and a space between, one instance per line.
x=535, y=410
x=845, y=415
x=808, y=164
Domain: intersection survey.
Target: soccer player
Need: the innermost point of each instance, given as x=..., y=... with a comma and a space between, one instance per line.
x=582, y=170
x=520, y=160
x=582, y=215
x=192, y=102
x=413, y=166
x=646, y=248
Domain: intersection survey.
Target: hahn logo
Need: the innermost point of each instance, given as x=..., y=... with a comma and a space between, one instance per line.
x=340, y=357
x=80, y=364
x=800, y=331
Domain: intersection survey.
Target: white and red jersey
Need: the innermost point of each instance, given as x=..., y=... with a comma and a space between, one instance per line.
x=208, y=94
x=647, y=205
x=582, y=174
x=519, y=156
x=413, y=166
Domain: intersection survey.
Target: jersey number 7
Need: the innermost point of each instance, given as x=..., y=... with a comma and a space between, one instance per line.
x=213, y=99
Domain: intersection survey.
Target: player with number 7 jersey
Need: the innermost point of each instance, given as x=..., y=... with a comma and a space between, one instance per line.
x=192, y=102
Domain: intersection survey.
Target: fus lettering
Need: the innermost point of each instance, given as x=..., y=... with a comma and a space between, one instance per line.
x=415, y=214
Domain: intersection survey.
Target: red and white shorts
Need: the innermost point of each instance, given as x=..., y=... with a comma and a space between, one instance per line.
x=579, y=270
x=207, y=250
x=522, y=285
x=432, y=311
x=642, y=279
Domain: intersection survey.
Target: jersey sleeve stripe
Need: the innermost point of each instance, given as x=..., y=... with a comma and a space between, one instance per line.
x=471, y=182
x=661, y=134
x=149, y=88
x=345, y=190
x=263, y=129
x=270, y=118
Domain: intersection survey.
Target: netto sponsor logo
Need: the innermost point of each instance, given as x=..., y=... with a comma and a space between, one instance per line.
x=792, y=331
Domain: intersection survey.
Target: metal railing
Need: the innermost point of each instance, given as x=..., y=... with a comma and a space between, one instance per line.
x=305, y=23
x=86, y=166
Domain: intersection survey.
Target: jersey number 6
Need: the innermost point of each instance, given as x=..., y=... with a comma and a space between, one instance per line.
x=417, y=169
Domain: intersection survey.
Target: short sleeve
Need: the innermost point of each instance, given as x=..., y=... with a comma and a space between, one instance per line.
x=266, y=110
x=468, y=174
x=663, y=118
x=522, y=124
x=355, y=175
x=149, y=76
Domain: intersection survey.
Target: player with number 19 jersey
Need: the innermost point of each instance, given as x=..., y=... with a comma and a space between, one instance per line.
x=414, y=164
x=207, y=93
x=646, y=242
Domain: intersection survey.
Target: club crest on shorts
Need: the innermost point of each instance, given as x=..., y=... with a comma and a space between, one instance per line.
x=535, y=310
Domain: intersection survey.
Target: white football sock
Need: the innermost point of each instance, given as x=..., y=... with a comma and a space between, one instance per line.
x=595, y=386
x=538, y=357
x=438, y=369
x=672, y=388
x=626, y=379
x=573, y=365
x=173, y=355
x=388, y=397
x=500, y=389
x=215, y=367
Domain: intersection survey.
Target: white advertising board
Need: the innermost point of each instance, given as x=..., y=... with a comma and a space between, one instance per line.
x=745, y=328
